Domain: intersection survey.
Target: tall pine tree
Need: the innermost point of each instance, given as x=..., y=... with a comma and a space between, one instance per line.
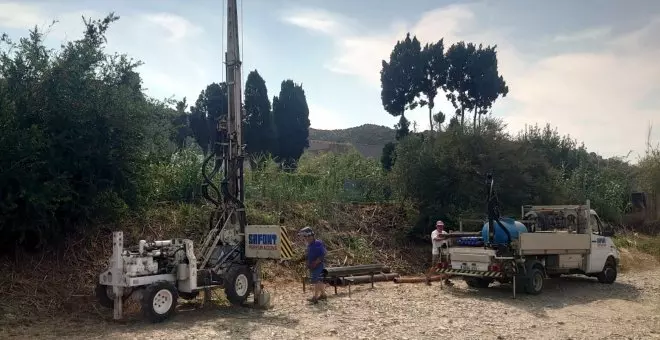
x=259, y=129
x=209, y=107
x=291, y=117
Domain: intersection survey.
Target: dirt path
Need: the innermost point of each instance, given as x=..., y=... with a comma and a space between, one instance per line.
x=569, y=308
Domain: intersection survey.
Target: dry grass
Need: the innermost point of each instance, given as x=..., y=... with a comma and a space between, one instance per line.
x=638, y=251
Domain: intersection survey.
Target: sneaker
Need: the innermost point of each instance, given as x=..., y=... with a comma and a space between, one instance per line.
x=323, y=297
x=313, y=300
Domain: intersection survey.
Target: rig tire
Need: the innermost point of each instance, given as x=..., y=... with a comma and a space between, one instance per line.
x=159, y=301
x=238, y=284
x=609, y=273
x=101, y=292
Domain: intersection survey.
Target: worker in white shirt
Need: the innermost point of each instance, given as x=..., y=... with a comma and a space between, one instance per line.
x=439, y=242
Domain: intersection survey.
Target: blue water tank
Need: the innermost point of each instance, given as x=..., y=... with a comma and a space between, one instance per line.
x=514, y=227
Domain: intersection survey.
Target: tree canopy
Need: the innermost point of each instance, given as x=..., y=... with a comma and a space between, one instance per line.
x=291, y=117
x=259, y=127
x=211, y=104
x=467, y=74
x=78, y=134
x=435, y=77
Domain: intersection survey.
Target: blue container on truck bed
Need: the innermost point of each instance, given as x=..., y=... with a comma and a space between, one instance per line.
x=500, y=237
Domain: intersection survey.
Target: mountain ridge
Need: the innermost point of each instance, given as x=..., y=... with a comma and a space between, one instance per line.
x=366, y=134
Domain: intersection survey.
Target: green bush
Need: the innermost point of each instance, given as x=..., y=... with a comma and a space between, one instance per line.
x=324, y=178
x=178, y=179
x=77, y=135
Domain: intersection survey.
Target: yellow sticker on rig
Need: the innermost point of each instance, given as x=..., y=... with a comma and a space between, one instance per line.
x=286, y=248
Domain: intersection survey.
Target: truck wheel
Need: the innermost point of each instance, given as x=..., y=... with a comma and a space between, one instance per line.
x=159, y=301
x=103, y=297
x=477, y=282
x=238, y=285
x=609, y=273
x=534, y=281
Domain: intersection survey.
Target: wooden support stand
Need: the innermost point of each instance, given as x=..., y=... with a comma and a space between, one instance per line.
x=335, y=280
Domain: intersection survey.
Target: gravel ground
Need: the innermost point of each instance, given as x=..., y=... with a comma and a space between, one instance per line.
x=569, y=308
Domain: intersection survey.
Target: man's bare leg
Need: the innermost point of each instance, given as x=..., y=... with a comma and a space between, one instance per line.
x=321, y=291
x=434, y=263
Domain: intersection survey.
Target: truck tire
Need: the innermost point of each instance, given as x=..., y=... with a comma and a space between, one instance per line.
x=159, y=301
x=238, y=284
x=102, y=296
x=534, y=281
x=609, y=273
x=477, y=282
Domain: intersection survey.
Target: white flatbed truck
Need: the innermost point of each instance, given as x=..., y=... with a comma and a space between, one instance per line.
x=557, y=240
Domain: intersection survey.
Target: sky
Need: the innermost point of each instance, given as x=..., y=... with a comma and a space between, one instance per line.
x=590, y=68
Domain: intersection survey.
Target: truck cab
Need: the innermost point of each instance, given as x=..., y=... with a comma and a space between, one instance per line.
x=602, y=246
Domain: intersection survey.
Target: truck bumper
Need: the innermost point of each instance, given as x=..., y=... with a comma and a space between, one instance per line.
x=472, y=273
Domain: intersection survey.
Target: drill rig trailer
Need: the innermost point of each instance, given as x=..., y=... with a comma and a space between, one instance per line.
x=158, y=273
x=558, y=240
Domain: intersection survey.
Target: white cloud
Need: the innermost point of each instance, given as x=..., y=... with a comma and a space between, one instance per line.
x=588, y=34
x=167, y=43
x=19, y=15
x=177, y=27
x=595, y=97
x=318, y=20
x=323, y=118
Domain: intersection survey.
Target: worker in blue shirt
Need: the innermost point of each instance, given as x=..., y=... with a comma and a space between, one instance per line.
x=315, y=263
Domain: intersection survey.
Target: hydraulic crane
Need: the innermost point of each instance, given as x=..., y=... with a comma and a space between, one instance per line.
x=161, y=271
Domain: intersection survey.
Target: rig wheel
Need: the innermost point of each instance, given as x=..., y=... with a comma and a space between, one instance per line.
x=238, y=284
x=159, y=301
x=103, y=297
x=534, y=281
x=609, y=273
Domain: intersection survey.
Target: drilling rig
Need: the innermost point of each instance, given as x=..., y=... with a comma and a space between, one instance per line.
x=158, y=273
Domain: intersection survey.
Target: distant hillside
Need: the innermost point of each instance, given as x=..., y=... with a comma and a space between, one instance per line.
x=368, y=134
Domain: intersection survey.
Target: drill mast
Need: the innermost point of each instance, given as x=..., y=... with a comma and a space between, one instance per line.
x=228, y=221
x=234, y=172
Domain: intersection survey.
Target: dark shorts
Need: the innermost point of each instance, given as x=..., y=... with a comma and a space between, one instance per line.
x=316, y=274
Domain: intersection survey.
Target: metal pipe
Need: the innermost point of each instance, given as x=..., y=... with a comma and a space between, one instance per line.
x=353, y=270
x=366, y=279
x=419, y=279
x=463, y=234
